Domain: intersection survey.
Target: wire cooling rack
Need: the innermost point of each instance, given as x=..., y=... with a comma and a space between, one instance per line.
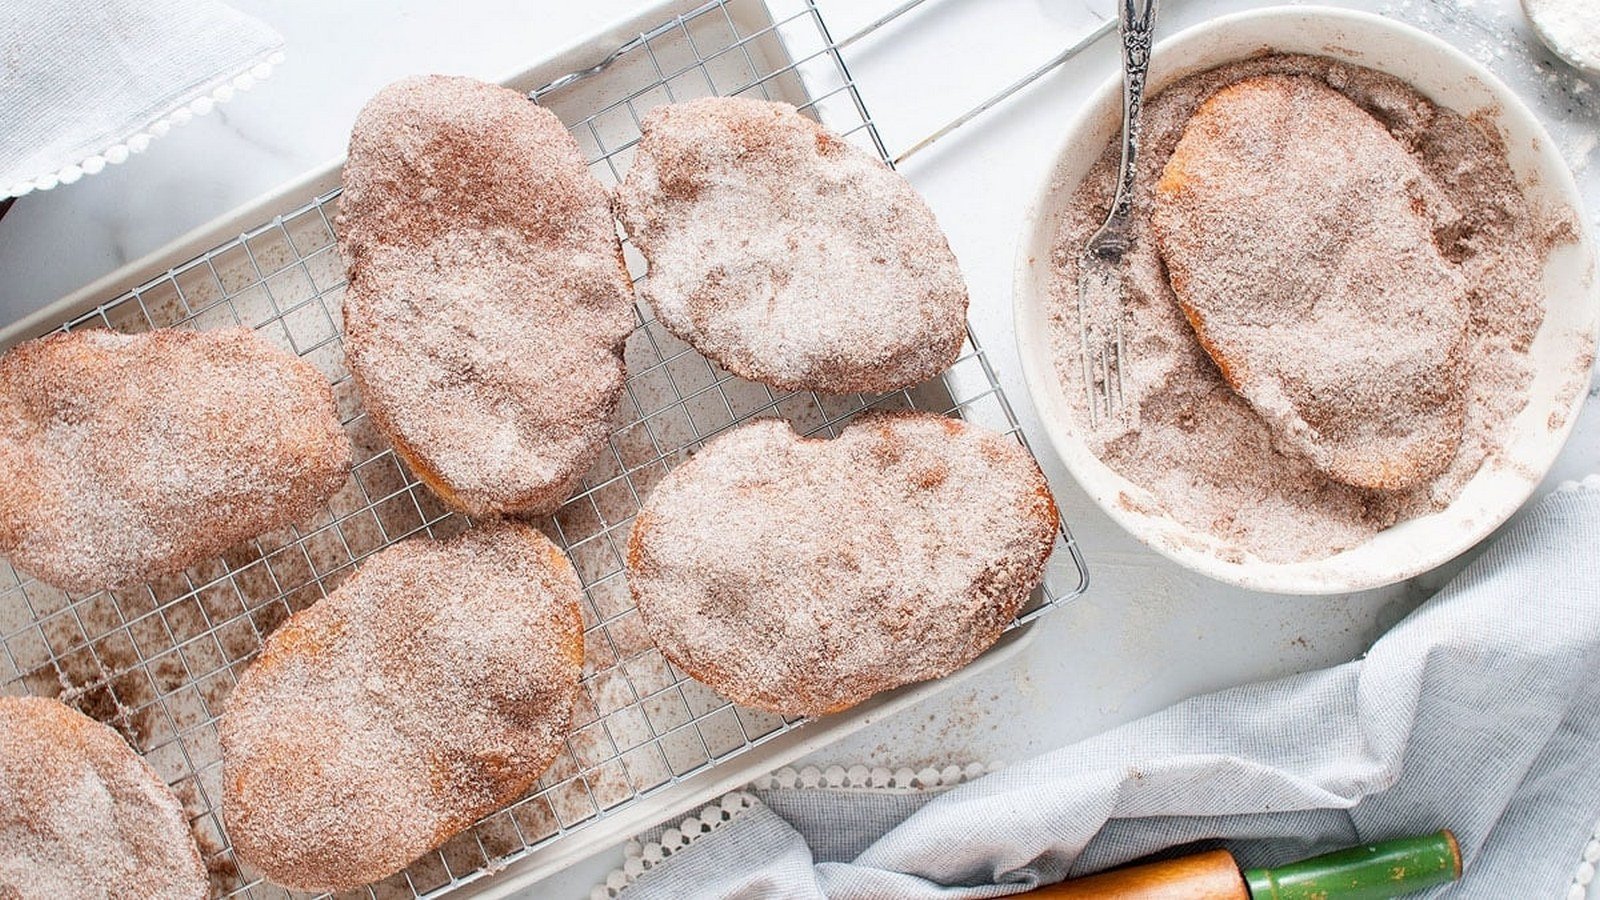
x=158, y=662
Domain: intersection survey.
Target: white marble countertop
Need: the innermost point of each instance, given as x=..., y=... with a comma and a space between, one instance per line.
x=1148, y=633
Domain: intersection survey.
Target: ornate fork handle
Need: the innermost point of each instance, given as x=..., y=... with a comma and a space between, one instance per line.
x=1137, y=23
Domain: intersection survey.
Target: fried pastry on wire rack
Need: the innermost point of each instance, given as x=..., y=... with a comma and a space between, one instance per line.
x=802, y=576
x=1299, y=237
x=127, y=457
x=488, y=301
x=82, y=816
x=430, y=689
x=786, y=254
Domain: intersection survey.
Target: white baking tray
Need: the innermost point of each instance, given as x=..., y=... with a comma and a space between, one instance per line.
x=648, y=743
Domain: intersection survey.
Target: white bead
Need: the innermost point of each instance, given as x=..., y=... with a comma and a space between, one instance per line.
x=733, y=802
x=244, y=81
x=70, y=174
x=928, y=777
x=1591, y=851
x=652, y=854
x=973, y=770
x=902, y=777
x=46, y=182
x=599, y=893
x=202, y=106
x=835, y=776
x=632, y=848
x=616, y=880
x=633, y=867
x=93, y=165
x=1577, y=892
x=138, y=143
x=261, y=71
x=787, y=777
x=181, y=116
x=1585, y=872
x=117, y=154
x=223, y=93
x=160, y=128
x=881, y=776
x=671, y=839
x=858, y=775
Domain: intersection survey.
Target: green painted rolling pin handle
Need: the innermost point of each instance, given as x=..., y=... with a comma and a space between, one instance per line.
x=1370, y=872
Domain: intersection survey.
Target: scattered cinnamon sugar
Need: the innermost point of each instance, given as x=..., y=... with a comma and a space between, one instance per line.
x=803, y=576
x=1200, y=448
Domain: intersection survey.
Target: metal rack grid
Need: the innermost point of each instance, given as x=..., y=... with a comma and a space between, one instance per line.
x=157, y=662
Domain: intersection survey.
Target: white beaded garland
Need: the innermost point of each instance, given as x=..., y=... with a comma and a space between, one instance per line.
x=1583, y=876
x=640, y=858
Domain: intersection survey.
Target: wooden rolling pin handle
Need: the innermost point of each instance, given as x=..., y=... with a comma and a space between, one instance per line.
x=1205, y=876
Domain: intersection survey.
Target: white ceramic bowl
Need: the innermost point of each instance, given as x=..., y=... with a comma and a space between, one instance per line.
x=1567, y=337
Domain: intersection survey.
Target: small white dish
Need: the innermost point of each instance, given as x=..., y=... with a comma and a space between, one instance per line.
x=1449, y=78
x=1558, y=28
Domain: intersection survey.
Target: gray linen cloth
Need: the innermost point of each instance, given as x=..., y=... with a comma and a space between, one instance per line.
x=79, y=77
x=1480, y=712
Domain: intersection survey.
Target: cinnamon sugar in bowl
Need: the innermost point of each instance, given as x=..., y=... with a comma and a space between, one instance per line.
x=1196, y=474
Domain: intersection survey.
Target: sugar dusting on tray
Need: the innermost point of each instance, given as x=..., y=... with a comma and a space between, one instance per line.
x=1197, y=447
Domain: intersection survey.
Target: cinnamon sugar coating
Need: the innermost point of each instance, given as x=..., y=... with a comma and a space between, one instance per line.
x=127, y=457
x=430, y=689
x=802, y=576
x=787, y=255
x=1298, y=236
x=82, y=816
x=1207, y=457
x=488, y=301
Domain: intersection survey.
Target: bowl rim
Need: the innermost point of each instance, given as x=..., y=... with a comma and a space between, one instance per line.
x=1323, y=576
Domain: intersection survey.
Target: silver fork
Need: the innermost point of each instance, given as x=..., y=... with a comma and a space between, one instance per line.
x=1100, y=265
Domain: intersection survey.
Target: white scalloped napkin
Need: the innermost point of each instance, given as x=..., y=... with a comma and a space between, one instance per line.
x=86, y=83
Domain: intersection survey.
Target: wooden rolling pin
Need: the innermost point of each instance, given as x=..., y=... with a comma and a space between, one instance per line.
x=1370, y=872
